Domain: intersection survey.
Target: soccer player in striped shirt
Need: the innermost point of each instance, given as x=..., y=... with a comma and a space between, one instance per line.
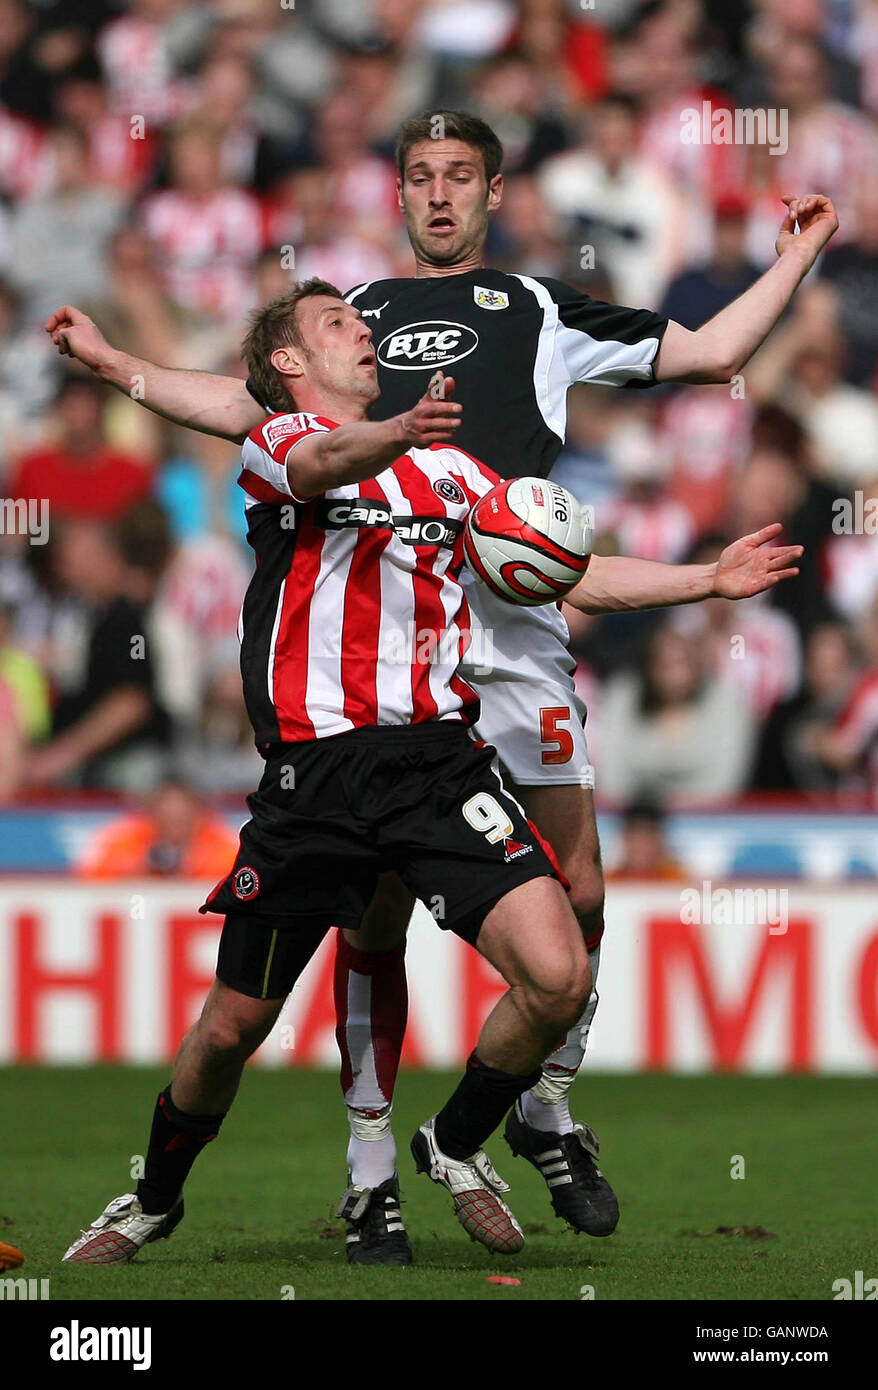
x=357, y=528
x=515, y=344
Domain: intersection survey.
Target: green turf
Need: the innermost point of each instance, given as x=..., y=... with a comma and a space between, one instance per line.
x=260, y=1199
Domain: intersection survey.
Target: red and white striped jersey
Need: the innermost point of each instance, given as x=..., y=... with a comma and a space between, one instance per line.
x=355, y=615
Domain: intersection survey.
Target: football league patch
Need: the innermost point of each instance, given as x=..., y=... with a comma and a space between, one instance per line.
x=287, y=425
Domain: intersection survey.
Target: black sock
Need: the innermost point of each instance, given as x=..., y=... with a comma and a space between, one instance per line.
x=175, y=1142
x=477, y=1107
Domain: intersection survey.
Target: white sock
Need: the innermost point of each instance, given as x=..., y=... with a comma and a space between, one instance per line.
x=547, y=1105
x=372, y=1147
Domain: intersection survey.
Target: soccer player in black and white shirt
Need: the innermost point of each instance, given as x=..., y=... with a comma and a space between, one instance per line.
x=515, y=345
x=357, y=529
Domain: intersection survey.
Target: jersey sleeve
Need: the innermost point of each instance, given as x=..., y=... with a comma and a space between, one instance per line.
x=605, y=344
x=266, y=450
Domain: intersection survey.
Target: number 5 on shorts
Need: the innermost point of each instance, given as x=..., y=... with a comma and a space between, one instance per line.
x=485, y=814
x=550, y=717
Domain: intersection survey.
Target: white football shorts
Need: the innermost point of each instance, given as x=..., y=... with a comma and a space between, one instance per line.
x=520, y=667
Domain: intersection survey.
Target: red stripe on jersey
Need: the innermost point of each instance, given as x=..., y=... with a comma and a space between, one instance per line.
x=261, y=488
x=291, y=647
x=361, y=628
x=430, y=615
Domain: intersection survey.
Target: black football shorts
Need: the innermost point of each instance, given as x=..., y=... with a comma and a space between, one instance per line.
x=332, y=814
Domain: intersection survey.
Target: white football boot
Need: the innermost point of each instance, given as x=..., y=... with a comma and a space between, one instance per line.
x=475, y=1188
x=119, y=1232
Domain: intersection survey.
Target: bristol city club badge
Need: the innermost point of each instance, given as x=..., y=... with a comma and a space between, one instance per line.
x=490, y=299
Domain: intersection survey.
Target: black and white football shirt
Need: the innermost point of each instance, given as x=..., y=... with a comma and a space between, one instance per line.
x=514, y=345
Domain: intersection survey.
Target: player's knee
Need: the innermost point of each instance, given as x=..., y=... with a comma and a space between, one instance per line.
x=561, y=993
x=578, y=991
x=224, y=1034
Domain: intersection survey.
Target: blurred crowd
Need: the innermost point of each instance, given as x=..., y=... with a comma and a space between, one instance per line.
x=167, y=165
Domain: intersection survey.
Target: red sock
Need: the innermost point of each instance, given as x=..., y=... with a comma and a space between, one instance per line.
x=371, y=1008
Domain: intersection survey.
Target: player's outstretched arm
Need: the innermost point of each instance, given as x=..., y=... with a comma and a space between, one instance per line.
x=362, y=449
x=218, y=405
x=717, y=351
x=618, y=584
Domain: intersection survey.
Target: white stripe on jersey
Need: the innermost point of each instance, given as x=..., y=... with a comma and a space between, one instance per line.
x=397, y=616
x=436, y=465
x=567, y=355
x=273, y=643
x=551, y=376
x=324, y=694
x=361, y=289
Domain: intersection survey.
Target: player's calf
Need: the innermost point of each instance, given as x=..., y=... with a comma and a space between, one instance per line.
x=531, y=936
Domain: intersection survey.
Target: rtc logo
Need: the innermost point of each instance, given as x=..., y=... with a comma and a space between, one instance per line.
x=434, y=343
x=246, y=883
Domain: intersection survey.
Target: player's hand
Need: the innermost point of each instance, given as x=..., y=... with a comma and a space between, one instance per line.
x=76, y=335
x=817, y=221
x=436, y=417
x=750, y=565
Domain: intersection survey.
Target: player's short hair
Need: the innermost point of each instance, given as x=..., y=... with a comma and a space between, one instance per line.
x=451, y=125
x=274, y=325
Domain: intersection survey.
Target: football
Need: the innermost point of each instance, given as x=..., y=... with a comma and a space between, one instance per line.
x=529, y=540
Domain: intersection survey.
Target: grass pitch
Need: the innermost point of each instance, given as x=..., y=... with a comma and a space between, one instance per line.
x=260, y=1199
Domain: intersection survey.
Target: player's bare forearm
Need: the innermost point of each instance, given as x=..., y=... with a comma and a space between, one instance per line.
x=620, y=584
x=349, y=454
x=720, y=348
x=202, y=401
x=748, y=566
x=363, y=448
